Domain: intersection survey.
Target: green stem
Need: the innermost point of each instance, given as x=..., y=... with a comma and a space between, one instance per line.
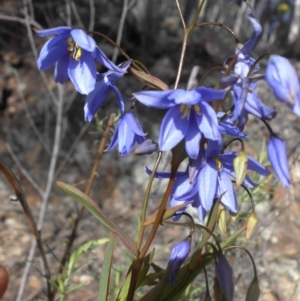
x=146, y=199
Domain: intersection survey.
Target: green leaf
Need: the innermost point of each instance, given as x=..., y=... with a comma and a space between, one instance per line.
x=88, y=203
x=105, y=274
x=122, y=296
x=149, y=80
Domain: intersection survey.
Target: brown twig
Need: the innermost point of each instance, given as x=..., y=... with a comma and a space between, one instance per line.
x=22, y=199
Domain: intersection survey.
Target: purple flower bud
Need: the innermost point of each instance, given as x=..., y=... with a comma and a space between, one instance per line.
x=146, y=148
x=225, y=277
x=282, y=78
x=178, y=255
x=278, y=159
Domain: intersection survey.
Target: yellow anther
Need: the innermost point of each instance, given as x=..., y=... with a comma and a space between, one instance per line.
x=75, y=50
x=71, y=44
x=218, y=164
x=77, y=53
x=185, y=110
x=197, y=109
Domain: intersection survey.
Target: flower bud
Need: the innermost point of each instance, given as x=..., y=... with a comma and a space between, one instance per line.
x=178, y=255
x=222, y=223
x=278, y=159
x=253, y=290
x=251, y=224
x=145, y=148
x=282, y=78
x=225, y=277
x=240, y=165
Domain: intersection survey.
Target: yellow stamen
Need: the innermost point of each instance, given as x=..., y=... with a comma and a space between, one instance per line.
x=197, y=109
x=218, y=164
x=75, y=50
x=186, y=110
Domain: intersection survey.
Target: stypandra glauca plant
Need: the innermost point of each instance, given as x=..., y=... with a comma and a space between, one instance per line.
x=204, y=170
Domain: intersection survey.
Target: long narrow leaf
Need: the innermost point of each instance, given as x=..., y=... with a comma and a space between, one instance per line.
x=105, y=274
x=88, y=203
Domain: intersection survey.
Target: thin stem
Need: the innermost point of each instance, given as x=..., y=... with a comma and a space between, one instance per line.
x=92, y=15
x=181, y=15
x=87, y=191
x=249, y=254
x=117, y=46
x=208, y=72
x=220, y=25
x=24, y=171
x=197, y=15
x=49, y=184
x=22, y=199
x=120, y=29
x=182, y=55
x=146, y=199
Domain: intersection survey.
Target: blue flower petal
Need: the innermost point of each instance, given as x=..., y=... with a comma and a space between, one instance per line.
x=95, y=100
x=62, y=30
x=155, y=99
x=133, y=123
x=255, y=107
x=119, y=98
x=52, y=51
x=192, y=139
x=116, y=76
x=114, y=141
x=83, y=40
x=83, y=73
x=61, y=70
x=172, y=130
x=165, y=174
x=250, y=45
x=125, y=137
x=278, y=159
x=208, y=184
x=225, y=185
x=100, y=56
x=210, y=94
x=181, y=96
x=208, y=122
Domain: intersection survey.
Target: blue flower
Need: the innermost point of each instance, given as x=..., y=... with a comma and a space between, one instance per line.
x=128, y=132
x=189, y=117
x=282, y=78
x=278, y=159
x=209, y=176
x=243, y=79
x=179, y=253
x=104, y=85
x=74, y=54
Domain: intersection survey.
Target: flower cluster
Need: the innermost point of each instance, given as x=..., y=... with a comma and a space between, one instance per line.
x=191, y=118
